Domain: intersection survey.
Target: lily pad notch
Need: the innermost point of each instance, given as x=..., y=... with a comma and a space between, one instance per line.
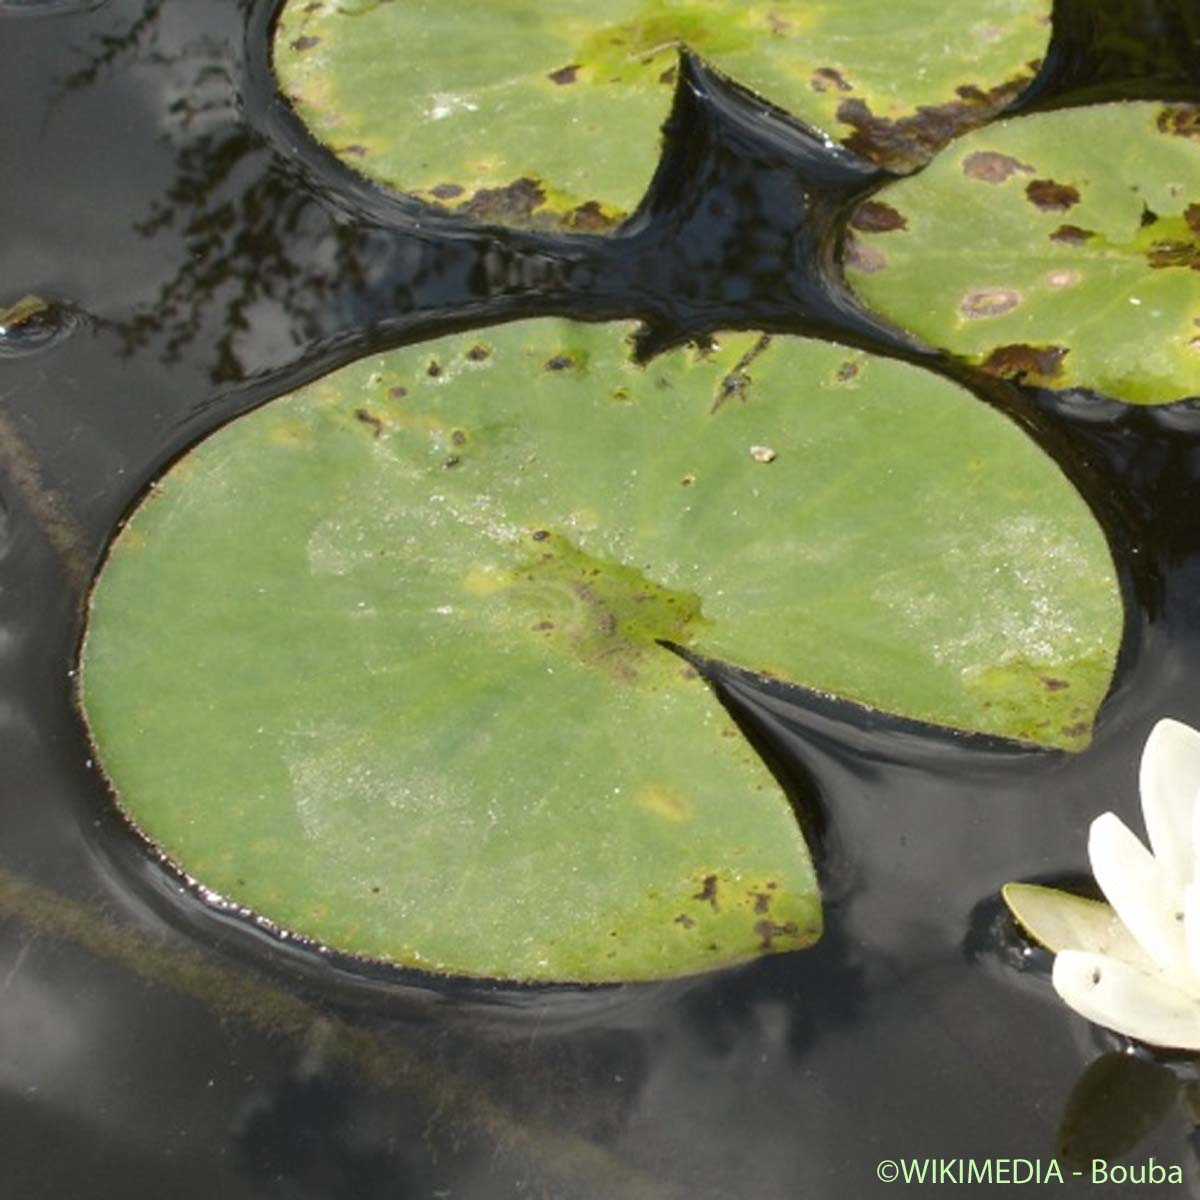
x=546, y=113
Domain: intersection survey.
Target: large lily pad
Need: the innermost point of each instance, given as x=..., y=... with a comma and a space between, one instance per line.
x=1061, y=248
x=548, y=111
x=383, y=660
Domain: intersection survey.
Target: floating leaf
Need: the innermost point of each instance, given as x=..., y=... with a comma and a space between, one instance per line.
x=1062, y=249
x=384, y=661
x=541, y=112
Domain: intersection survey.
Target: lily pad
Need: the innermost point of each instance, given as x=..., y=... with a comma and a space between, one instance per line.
x=389, y=660
x=547, y=112
x=1062, y=248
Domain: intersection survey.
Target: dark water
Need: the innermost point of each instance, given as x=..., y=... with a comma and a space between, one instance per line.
x=206, y=258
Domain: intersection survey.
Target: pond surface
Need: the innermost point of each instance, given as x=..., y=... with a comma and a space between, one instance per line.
x=206, y=259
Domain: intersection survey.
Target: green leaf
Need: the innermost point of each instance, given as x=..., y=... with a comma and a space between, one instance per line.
x=382, y=661
x=1063, y=921
x=1061, y=248
x=547, y=112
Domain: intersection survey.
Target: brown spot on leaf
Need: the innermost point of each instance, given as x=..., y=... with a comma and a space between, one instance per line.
x=1036, y=364
x=447, y=191
x=1180, y=120
x=989, y=302
x=1174, y=254
x=397, y=393
x=989, y=166
x=824, y=78
x=458, y=438
x=305, y=43
x=1063, y=278
x=1076, y=730
x=564, y=75
x=1191, y=216
x=354, y=150
x=1050, y=196
x=864, y=257
x=479, y=352
x=1054, y=685
x=452, y=461
x=847, y=371
x=778, y=24
x=769, y=931
x=668, y=76
x=514, y=202
x=762, y=901
x=910, y=142
x=369, y=418
x=708, y=891
x=589, y=218
x=542, y=627
x=687, y=480
x=686, y=921
x=434, y=370
x=1071, y=235
x=560, y=362
x=540, y=535
x=876, y=217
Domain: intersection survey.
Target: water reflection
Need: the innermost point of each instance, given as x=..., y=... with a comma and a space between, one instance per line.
x=111, y=48
x=306, y=1136
x=1114, y=1104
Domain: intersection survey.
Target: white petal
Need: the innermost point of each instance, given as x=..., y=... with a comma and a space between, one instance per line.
x=1196, y=839
x=1191, y=925
x=1062, y=921
x=1142, y=894
x=1140, y=1004
x=1169, y=779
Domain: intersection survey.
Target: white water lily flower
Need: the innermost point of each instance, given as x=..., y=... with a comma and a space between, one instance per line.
x=1133, y=964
